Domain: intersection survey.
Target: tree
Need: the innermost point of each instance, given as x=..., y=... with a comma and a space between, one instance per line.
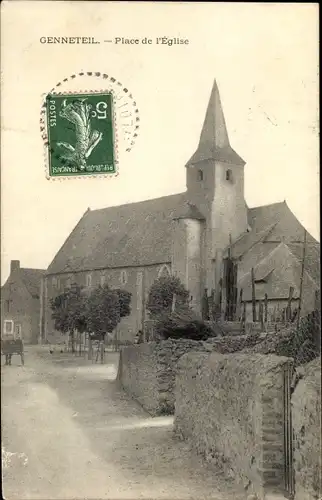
x=105, y=308
x=59, y=314
x=163, y=293
x=168, y=304
x=69, y=312
x=97, y=313
x=125, y=302
x=103, y=311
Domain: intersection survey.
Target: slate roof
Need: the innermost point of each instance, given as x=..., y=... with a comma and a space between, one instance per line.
x=266, y=215
x=225, y=155
x=140, y=234
x=189, y=211
x=32, y=279
x=214, y=142
x=279, y=270
x=270, y=225
x=312, y=258
x=135, y=234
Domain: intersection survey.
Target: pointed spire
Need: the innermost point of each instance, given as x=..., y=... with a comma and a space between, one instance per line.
x=214, y=130
x=214, y=141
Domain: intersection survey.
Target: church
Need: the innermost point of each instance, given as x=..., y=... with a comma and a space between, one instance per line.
x=192, y=235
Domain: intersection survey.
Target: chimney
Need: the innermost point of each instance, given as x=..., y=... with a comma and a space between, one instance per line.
x=14, y=266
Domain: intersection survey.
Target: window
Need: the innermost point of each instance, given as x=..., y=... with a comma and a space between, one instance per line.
x=56, y=282
x=102, y=279
x=200, y=175
x=123, y=277
x=68, y=282
x=88, y=280
x=8, y=327
x=8, y=305
x=229, y=175
x=18, y=331
x=164, y=271
x=139, y=282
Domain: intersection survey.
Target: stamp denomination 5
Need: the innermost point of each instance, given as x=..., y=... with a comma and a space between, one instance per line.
x=85, y=130
x=81, y=135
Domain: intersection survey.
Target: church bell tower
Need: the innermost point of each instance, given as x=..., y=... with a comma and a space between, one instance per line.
x=215, y=185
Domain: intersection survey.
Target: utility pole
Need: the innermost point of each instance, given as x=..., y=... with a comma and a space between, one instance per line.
x=301, y=282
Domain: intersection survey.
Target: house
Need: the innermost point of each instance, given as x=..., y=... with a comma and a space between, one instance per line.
x=20, y=303
x=193, y=235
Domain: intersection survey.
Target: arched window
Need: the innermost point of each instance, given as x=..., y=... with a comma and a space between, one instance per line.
x=102, y=279
x=164, y=271
x=123, y=277
x=68, y=282
x=139, y=283
x=200, y=175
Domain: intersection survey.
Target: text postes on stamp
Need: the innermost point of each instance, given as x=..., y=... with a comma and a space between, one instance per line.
x=80, y=134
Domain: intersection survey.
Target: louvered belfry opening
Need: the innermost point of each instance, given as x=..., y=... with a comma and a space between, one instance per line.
x=230, y=285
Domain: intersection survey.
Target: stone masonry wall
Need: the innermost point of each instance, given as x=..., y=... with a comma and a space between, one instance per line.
x=137, y=374
x=230, y=408
x=306, y=403
x=148, y=372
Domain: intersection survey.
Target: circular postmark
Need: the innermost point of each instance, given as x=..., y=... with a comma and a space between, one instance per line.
x=86, y=120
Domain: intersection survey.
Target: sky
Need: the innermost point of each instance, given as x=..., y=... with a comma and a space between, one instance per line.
x=264, y=58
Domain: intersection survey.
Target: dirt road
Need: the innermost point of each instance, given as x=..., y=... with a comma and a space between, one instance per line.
x=69, y=432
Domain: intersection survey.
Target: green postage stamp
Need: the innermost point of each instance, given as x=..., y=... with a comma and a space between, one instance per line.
x=80, y=134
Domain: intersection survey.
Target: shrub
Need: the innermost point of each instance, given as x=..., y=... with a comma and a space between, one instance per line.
x=182, y=324
x=303, y=344
x=162, y=294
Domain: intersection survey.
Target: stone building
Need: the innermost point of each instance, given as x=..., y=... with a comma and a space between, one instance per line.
x=20, y=303
x=189, y=234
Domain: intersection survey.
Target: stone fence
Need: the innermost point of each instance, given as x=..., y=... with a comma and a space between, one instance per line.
x=148, y=371
x=306, y=414
x=230, y=408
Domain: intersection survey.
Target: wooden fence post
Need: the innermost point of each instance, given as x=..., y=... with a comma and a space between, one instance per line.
x=102, y=350
x=205, y=305
x=240, y=303
x=261, y=316
x=90, y=347
x=213, y=305
x=174, y=298
x=220, y=297
x=289, y=305
x=266, y=308
x=253, y=295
